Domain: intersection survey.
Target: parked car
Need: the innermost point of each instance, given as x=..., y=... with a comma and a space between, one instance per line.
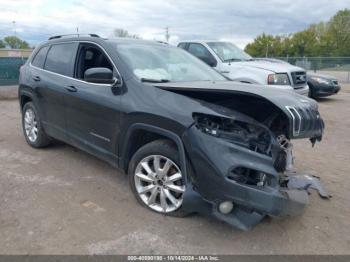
x=189, y=140
x=237, y=65
x=322, y=85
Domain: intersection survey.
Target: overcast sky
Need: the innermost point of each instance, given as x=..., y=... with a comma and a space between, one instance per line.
x=239, y=21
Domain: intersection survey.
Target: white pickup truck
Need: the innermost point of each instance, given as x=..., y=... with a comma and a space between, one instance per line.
x=237, y=65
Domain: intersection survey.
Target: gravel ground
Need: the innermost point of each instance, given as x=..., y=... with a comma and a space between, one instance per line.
x=61, y=200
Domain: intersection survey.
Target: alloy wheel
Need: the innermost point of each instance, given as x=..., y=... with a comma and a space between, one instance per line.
x=30, y=125
x=159, y=183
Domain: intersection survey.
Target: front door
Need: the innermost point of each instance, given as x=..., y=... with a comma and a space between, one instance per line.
x=92, y=110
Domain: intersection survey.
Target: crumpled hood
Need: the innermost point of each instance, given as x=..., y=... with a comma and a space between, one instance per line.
x=281, y=98
x=302, y=112
x=269, y=65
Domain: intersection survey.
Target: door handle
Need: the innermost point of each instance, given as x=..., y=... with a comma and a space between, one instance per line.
x=36, y=78
x=71, y=88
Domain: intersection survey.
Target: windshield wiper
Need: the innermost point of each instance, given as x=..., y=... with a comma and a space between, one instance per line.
x=150, y=80
x=232, y=60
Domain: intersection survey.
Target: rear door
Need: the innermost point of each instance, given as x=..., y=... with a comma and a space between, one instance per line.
x=36, y=80
x=92, y=109
x=52, y=81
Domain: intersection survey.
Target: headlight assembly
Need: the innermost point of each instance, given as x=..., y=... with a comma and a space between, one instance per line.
x=244, y=134
x=278, y=79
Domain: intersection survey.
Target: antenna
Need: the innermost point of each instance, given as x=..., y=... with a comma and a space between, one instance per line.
x=14, y=27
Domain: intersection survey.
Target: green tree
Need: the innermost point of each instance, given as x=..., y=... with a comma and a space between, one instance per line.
x=262, y=46
x=323, y=39
x=15, y=43
x=2, y=44
x=338, y=33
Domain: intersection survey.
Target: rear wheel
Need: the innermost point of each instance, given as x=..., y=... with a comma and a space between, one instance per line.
x=156, y=179
x=32, y=128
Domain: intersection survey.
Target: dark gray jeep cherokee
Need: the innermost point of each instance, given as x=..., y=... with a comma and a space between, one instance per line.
x=189, y=139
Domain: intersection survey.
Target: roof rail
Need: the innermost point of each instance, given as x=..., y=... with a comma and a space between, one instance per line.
x=60, y=36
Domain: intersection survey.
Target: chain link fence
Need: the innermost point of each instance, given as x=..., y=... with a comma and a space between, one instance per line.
x=9, y=69
x=338, y=67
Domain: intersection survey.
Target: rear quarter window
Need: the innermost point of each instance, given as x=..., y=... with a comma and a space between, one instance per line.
x=60, y=58
x=39, y=58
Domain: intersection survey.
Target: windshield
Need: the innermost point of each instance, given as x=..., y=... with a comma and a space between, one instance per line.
x=163, y=63
x=228, y=52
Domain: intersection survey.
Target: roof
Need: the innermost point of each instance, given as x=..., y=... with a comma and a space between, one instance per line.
x=200, y=41
x=97, y=39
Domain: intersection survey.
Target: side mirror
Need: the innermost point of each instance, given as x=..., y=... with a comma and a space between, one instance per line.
x=99, y=75
x=209, y=60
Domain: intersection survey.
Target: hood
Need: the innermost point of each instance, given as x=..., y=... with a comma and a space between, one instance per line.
x=327, y=77
x=281, y=98
x=255, y=101
x=272, y=66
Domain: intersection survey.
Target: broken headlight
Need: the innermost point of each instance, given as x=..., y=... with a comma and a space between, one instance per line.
x=250, y=136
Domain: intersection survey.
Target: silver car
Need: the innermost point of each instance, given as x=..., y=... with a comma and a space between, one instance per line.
x=237, y=65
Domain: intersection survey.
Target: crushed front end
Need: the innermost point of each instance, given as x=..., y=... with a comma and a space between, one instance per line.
x=242, y=168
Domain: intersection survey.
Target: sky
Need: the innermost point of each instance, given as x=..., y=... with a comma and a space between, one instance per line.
x=239, y=21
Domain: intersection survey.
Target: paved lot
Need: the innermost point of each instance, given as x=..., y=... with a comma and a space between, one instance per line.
x=61, y=200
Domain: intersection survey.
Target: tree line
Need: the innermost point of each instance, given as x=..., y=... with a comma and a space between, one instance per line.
x=13, y=42
x=330, y=38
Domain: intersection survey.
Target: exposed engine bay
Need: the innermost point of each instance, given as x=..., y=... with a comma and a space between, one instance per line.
x=253, y=134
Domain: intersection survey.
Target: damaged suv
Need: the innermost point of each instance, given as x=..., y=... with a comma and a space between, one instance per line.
x=189, y=139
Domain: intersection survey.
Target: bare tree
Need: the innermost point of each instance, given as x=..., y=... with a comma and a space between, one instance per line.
x=120, y=32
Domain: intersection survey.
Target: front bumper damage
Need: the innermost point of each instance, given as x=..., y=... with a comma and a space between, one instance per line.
x=210, y=183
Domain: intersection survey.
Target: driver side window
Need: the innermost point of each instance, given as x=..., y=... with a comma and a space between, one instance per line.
x=201, y=52
x=90, y=56
x=198, y=50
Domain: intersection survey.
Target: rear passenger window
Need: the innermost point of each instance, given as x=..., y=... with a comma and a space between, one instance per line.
x=40, y=56
x=60, y=58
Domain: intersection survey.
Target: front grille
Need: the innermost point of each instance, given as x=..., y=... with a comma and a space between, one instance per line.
x=306, y=121
x=299, y=78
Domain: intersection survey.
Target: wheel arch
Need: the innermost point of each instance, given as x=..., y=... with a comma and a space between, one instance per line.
x=24, y=98
x=129, y=148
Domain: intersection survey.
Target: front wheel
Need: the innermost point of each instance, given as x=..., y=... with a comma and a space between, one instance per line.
x=156, y=179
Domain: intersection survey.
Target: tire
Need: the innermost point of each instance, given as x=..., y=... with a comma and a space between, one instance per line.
x=165, y=153
x=33, y=131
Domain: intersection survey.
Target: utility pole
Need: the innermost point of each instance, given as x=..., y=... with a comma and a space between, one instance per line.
x=14, y=27
x=167, y=36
